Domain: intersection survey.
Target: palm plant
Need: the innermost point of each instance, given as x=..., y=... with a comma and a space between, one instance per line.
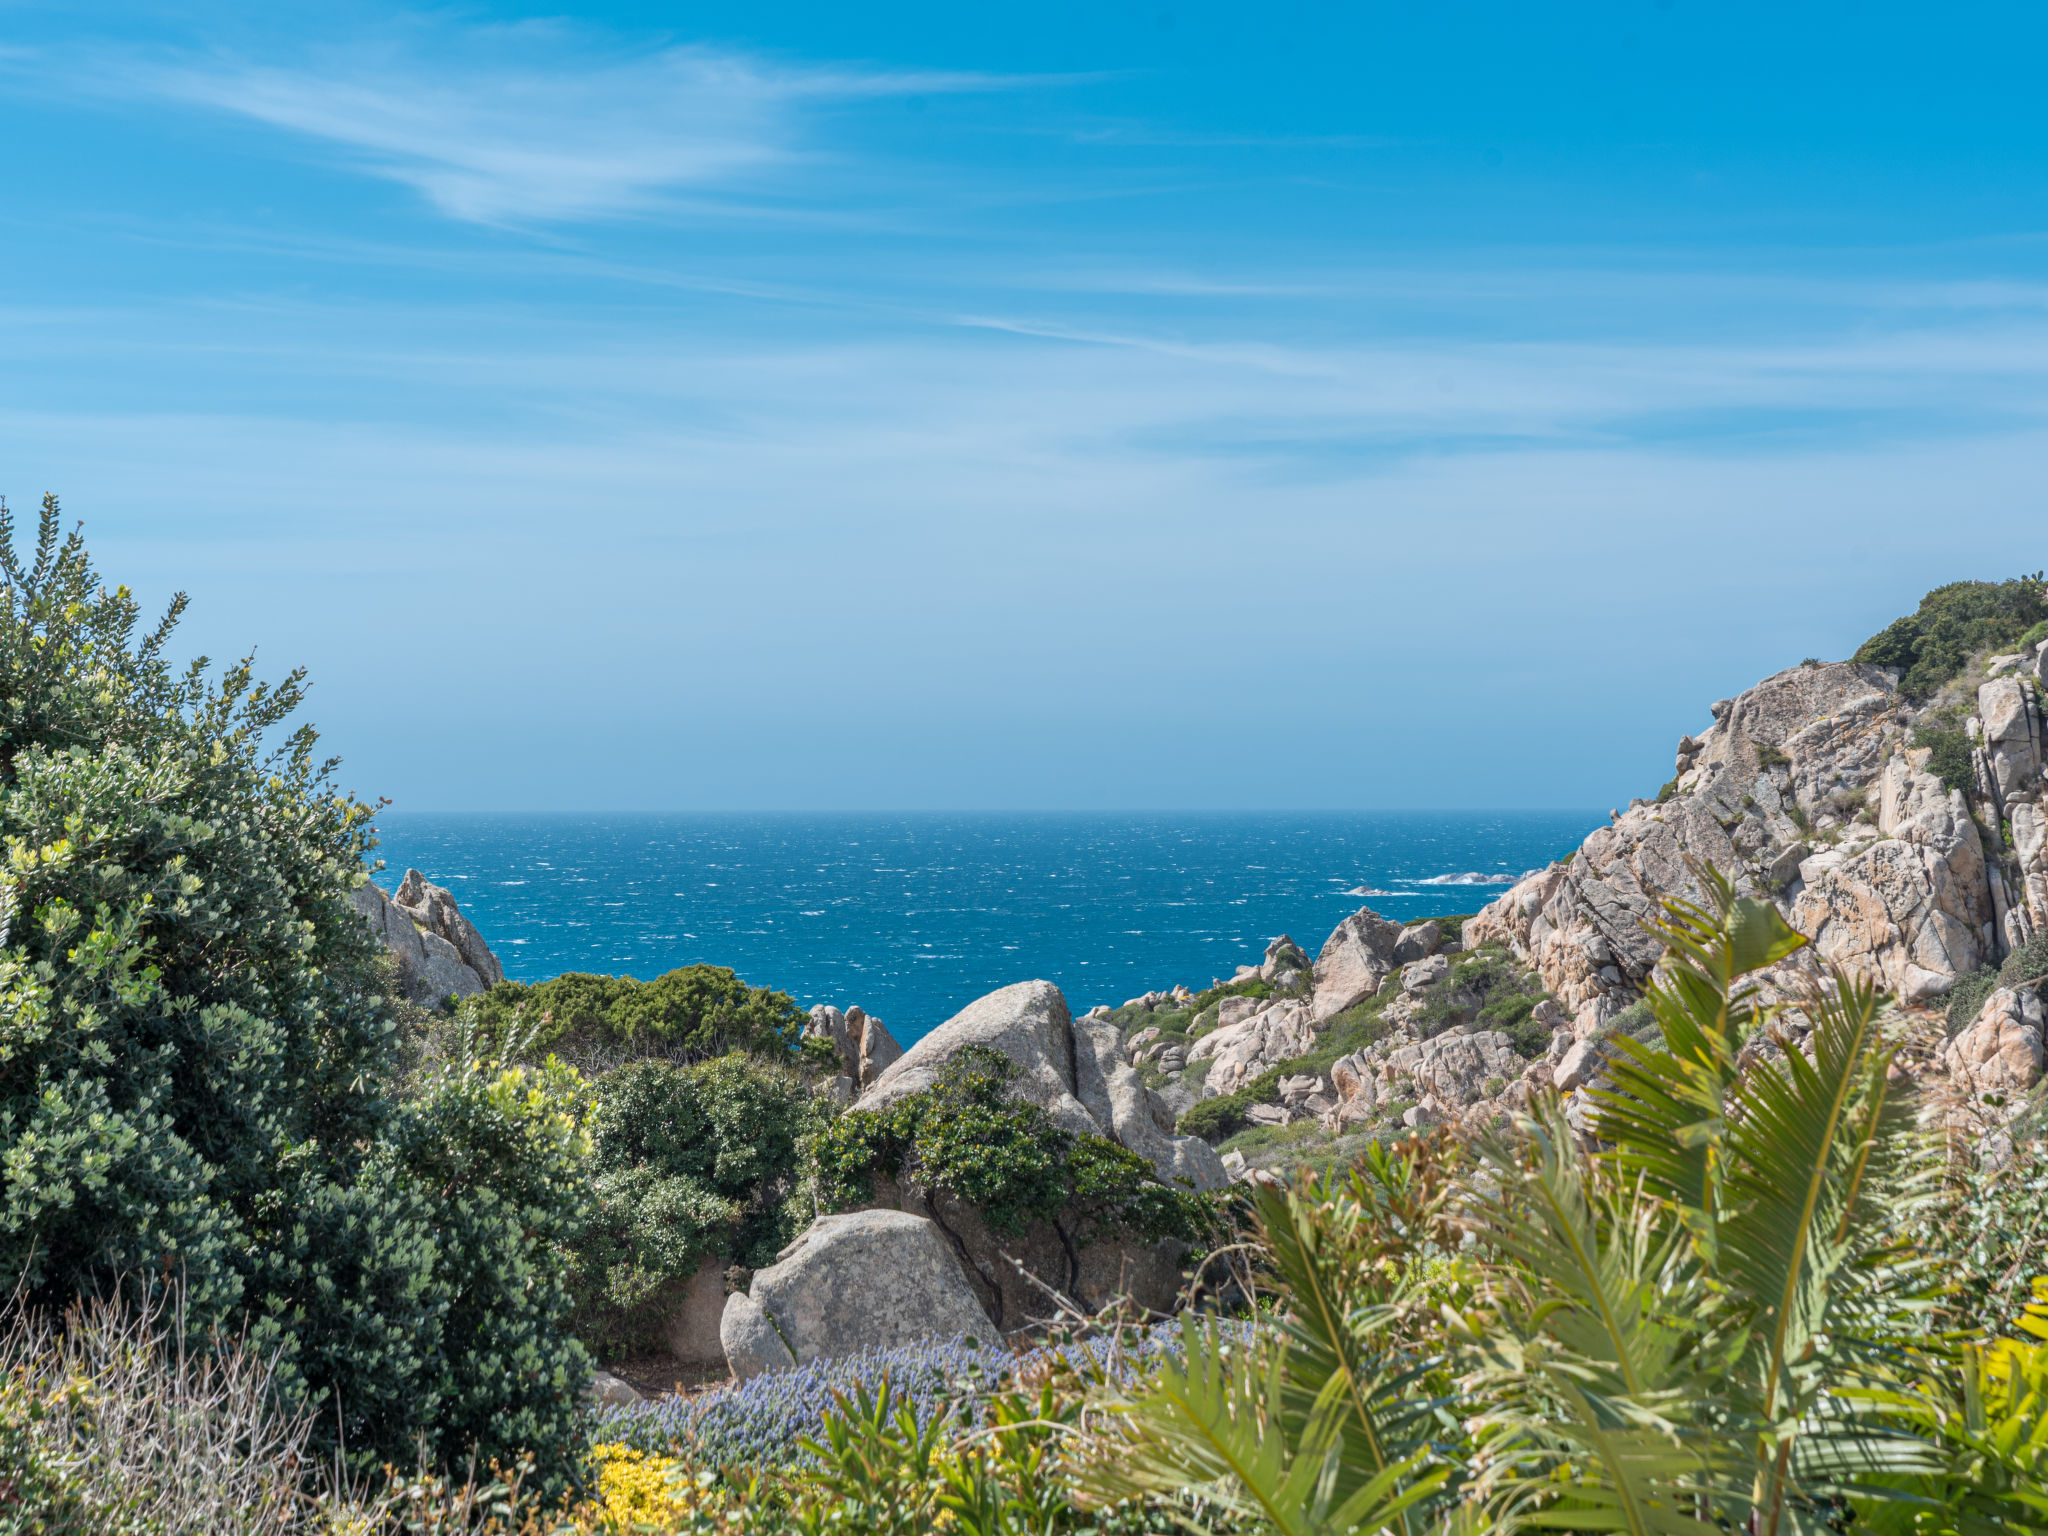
x=1695, y=1316
x=1327, y=1422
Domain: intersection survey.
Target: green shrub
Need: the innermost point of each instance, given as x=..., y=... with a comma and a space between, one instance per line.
x=1935, y=642
x=2033, y=637
x=1768, y=756
x=1216, y=1120
x=695, y=1012
x=497, y=1157
x=1251, y=986
x=691, y=1163
x=198, y=1048
x=1953, y=760
x=1005, y=1156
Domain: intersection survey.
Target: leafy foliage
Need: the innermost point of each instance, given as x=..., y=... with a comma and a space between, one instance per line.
x=198, y=1050
x=1936, y=641
x=691, y=1163
x=1003, y=1155
x=693, y=1013
x=1708, y=1322
x=1951, y=758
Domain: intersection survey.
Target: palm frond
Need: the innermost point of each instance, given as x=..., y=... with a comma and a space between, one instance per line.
x=1667, y=1113
x=1217, y=1422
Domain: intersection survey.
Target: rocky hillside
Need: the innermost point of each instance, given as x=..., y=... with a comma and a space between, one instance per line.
x=1891, y=805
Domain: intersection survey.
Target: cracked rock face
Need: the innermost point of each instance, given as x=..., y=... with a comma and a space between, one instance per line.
x=1242, y=1051
x=2000, y=1053
x=1771, y=793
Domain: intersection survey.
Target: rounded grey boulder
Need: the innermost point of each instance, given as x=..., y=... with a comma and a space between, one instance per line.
x=852, y=1282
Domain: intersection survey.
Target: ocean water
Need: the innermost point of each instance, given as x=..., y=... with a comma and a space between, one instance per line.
x=914, y=916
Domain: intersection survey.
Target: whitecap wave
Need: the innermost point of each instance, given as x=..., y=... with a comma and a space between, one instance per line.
x=1470, y=877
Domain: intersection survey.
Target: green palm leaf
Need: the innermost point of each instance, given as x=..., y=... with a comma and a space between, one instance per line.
x=1217, y=1421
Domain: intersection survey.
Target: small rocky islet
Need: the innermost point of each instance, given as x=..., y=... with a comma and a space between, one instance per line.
x=1904, y=832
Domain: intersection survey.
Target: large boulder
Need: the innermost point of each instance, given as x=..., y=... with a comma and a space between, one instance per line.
x=1061, y=1067
x=1029, y=1023
x=863, y=1280
x=1355, y=960
x=431, y=968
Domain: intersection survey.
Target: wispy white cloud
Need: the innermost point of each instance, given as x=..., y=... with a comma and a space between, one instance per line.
x=536, y=123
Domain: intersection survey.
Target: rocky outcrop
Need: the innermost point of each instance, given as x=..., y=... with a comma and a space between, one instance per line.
x=434, y=910
x=1357, y=957
x=1806, y=790
x=1243, y=1050
x=1459, y=1073
x=1999, y=1055
x=864, y=1280
x=1285, y=960
x=866, y=1048
x=1075, y=1072
x=1457, y=1068
x=438, y=951
x=1116, y=1098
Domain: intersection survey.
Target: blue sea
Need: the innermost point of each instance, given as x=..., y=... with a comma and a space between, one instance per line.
x=914, y=916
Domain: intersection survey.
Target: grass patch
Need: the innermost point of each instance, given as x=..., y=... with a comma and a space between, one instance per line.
x=1263, y=1138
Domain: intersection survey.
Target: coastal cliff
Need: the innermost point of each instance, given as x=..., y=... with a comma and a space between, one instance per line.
x=1894, y=807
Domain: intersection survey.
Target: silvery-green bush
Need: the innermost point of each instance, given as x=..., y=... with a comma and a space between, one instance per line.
x=197, y=1051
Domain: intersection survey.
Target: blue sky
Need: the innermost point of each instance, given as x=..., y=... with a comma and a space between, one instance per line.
x=905, y=406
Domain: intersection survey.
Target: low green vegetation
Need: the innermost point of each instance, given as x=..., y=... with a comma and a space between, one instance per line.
x=1950, y=754
x=693, y=1013
x=1935, y=642
x=1003, y=1155
x=689, y=1163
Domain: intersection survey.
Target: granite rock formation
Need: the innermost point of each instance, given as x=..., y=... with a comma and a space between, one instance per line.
x=866, y=1048
x=438, y=951
x=1807, y=789
x=1069, y=1070
x=862, y=1280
